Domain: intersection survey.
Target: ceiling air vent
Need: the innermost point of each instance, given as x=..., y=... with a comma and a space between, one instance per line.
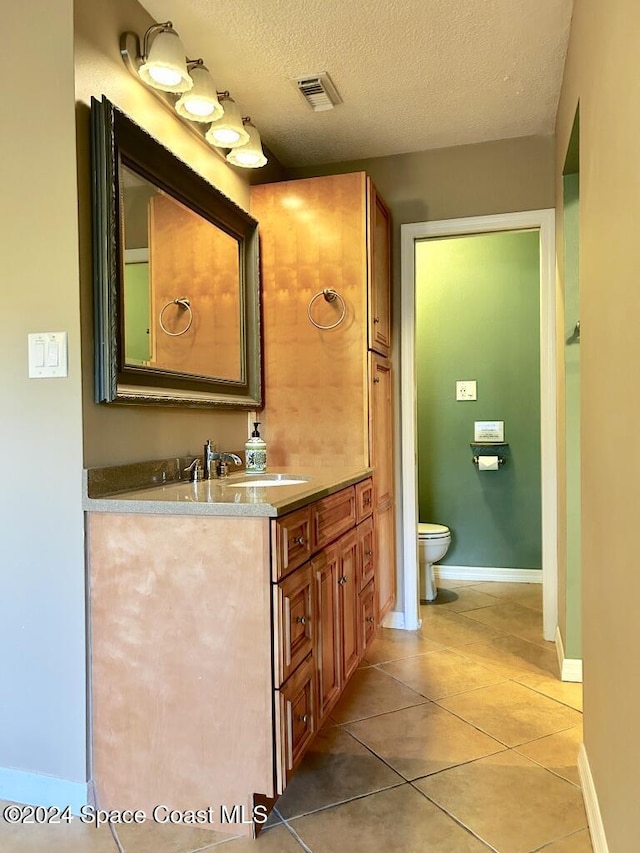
x=318, y=91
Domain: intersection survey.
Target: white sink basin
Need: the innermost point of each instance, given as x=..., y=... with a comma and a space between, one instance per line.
x=266, y=480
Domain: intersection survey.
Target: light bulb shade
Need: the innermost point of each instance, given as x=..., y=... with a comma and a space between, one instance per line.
x=165, y=66
x=200, y=103
x=228, y=131
x=250, y=155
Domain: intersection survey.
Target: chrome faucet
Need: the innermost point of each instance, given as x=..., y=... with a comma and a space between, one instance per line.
x=221, y=469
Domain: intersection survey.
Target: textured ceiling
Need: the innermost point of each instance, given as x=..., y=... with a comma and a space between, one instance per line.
x=413, y=74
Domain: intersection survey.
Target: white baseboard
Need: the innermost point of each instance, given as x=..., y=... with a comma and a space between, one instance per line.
x=570, y=668
x=591, y=804
x=33, y=789
x=394, y=619
x=488, y=573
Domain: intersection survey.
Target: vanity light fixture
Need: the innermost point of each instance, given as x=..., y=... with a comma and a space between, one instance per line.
x=250, y=155
x=185, y=87
x=200, y=103
x=228, y=131
x=164, y=65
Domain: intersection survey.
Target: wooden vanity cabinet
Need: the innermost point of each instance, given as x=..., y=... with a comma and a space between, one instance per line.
x=228, y=640
x=328, y=391
x=341, y=567
x=381, y=444
x=379, y=261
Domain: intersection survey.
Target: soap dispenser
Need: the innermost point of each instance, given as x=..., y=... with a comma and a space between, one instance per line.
x=256, y=452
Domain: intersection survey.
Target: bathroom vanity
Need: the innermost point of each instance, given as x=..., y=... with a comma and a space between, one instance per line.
x=225, y=621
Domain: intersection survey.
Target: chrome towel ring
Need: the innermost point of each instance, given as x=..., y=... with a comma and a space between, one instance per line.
x=185, y=305
x=330, y=295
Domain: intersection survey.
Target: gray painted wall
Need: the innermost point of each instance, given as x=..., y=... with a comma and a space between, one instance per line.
x=42, y=606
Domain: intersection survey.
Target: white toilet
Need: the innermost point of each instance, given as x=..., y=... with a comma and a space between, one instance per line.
x=433, y=544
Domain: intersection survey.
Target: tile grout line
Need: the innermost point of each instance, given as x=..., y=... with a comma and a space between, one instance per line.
x=402, y=781
x=455, y=819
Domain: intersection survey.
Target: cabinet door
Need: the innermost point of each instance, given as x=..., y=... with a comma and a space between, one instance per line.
x=294, y=618
x=296, y=722
x=385, y=576
x=366, y=562
x=348, y=603
x=364, y=499
x=379, y=257
x=292, y=542
x=368, y=619
x=381, y=428
x=333, y=516
x=325, y=567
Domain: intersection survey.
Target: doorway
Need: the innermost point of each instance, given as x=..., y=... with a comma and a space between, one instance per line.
x=541, y=221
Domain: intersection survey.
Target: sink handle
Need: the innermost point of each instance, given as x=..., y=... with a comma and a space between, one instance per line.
x=195, y=469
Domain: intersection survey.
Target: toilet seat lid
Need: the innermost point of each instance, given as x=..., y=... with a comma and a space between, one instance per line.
x=432, y=531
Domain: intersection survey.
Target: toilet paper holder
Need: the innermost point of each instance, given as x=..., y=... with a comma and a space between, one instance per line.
x=490, y=448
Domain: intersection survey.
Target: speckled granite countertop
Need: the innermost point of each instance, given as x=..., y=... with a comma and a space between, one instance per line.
x=223, y=496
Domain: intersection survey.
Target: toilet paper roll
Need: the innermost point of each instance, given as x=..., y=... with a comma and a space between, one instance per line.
x=488, y=463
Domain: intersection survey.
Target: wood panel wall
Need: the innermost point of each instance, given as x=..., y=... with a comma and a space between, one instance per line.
x=313, y=236
x=191, y=258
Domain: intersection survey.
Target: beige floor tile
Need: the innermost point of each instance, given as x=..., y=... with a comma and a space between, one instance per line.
x=511, y=591
x=513, y=656
x=460, y=599
x=442, y=673
x=508, y=801
x=75, y=837
x=557, y=752
x=452, y=583
x=580, y=842
x=453, y=629
x=373, y=692
x=567, y=692
x=336, y=768
x=150, y=837
x=511, y=713
x=391, y=644
x=277, y=840
x=422, y=740
x=531, y=596
x=397, y=821
x=513, y=618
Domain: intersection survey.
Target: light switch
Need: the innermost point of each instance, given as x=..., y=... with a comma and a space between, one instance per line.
x=47, y=355
x=467, y=389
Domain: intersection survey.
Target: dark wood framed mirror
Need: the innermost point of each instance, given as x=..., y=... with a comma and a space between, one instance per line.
x=176, y=277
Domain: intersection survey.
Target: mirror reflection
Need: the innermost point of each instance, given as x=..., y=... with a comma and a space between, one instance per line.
x=181, y=297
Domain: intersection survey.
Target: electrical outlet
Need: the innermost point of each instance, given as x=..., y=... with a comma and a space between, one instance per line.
x=467, y=389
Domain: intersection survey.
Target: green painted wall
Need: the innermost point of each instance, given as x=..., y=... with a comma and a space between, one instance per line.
x=573, y=639
x=137, y=313
x=478, y=318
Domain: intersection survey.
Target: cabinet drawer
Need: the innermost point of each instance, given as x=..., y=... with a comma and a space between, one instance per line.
x=333, y=516
x=367, y=601
x=293, y=611
x=364, y=499
x=296, y=726
x=291, y=542
x=367, y=566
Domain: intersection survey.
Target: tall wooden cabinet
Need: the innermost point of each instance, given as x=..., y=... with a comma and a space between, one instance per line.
x=327, y=391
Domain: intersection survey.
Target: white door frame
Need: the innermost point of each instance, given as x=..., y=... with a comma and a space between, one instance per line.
x=544, y=221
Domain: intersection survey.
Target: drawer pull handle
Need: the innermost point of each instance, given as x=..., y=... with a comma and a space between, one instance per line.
x=302, y=620
x=369, y=619
x=376, y=319
x=376, y=379
x=368, y=553
x=299, y=540
x=343, y=579
x=303, y=718
x=366, y=501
